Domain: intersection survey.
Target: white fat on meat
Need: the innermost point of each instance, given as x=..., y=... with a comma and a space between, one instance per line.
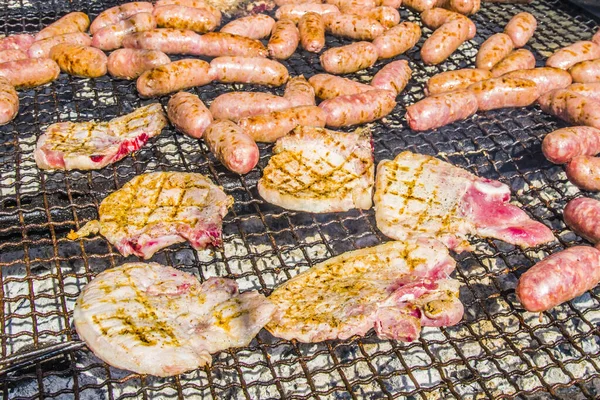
x=157, y=320
x=318, y=170
x=395, y=288
x=420, y=196
x=158, y=209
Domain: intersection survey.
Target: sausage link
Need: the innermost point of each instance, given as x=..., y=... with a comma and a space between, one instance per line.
x=441, y=109
x=353, y=26
x=218, y=44
x=198, y=4
x=189, y=114
x=546, y=78
x=72, y=22
x=504, y=92
x=571, y=107
x=391, y=3
x=444, y=41
x=358, y=108
x=30, y=72
x=236, y=150
x=299, y=92
x=257, y=70
x=181, y=17
x=41, y=48
x=257, y=26
x=521, y=28
x=119, y=13
x=131, y=63
x=284, y=39
x=311, y=28
x=329, y=86
x=296, y=11
x=9, y=101
x=493, y=50
x=394, y=76
x=21, y=42
x=455, y=80
x=563, y=145
x=280, y=3
x=582, y=215
x=558, y=278
x=385, y=15
x=237, y=105
x=591, y=90
x=349, y=58
x=344, y=5
x=584, y=172
x=436, y=17
x=111, y=37
x=397, y=40
x=12, y=55
x=419, y=5
x=568, y=56
x=466, y=7
x=586, y=71
x=169, y=41
x=173, y=77
x=82, y=61
x=518, y=59
x=272, y=126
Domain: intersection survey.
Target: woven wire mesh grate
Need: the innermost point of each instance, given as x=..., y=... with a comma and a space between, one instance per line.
x=497, y=351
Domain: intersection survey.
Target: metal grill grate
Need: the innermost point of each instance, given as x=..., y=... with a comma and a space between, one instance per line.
x=498, y=351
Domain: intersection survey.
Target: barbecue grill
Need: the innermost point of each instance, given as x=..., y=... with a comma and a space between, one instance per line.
x=497, y=351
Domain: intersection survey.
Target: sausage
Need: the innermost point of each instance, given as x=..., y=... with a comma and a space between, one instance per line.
x=181, y=17
x=466, y=7
x=455, y=80
x=280, y=3
x=41, y=48
x=563, y=145
x=584, y=172
x=257, y=70
x=568, y=56
x=9, y=101
x=172, y=77
x=358, y=108
x=344, y=5
x=419, y=5
x=284, y=39
x=391, y=3
x=131, y=63
x=582, y=216
x=397, y=40
x=441, y=109
x=436, y=17
x=385, y=15
x=257, y=26
x=518, y=59
x=558, y=278
x=72, y=22
x=272, y=126
x=238, y=105
x=521, y=28
x=217, y=44
x=189, y=114
x=12, y=55
x=349, y=58
x=311, y=28
x=591, y=90
x=17, y=42
x=111, y=37
x=444, y=41
x=545, y=78
x=30, y=72
x=586, y=71
x=353, y=26
x=493, y=50
x=296, y=11
x=571, y=107
x=504, y=92
x=236, y=150
x=169, y=41
x=299, y=92
x=82, y=61
x=394, y=76
x=329, y=86
x=197, y=4
x=118, y=13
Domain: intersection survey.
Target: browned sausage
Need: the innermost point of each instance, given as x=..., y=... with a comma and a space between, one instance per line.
x=582, y=215
x=504, y=92
x=296, y=11
x=257, y=26
x=568, y=56
x=256, y=70
x=119, y=13
x=387, y=16
x=571, y=107
x=238, y=105
x=111, y=37
x=280, y=3
x=518, y=59
x=83, y=61
x=12, y=55
x=349, y=58
x=169, y=41
x=312, y=32
x=586, y=71
x=29, y=73
x=546, y=78
x=358, y=108
x=218, y=44
x=345, y=4
x=284, y=39
x=419, y=5
x=9, y=101
x=353, y=26
x=455, y=80
x=591, y=90
x=236, y=150
x=563, y=145
x=17, y=42
x=41, y=48
x=441, y=109
x=299, y=92
x=173, y=77
x=199, y=4
x=272, y=126
x=444, y=41
x=397, y=40
x=394, y=76
x=466, y=7
x=72, y=22
x=188, y=18
x=131, y=63
x=436, y=17
x=189, y=114
x=493, y=50
x=584, y=172
x=329, y=86
x=521, y=28
x=559, y=278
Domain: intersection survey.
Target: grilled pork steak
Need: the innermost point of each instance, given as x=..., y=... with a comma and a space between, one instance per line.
x=420, y=196
x=93, y=144
x=396, y=288
x=156, y=320
x=158, y=209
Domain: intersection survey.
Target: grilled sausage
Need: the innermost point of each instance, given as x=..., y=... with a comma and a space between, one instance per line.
x=187, y=18
x=199, y=4
x=436, y=17
x=82, y=61
x=391, y=3
x=329, y=86
x=586, y=71
x=347, y=4
x=169, y=41
x=131, y=63
x=218, y=44
x=563, y=145
x=299, y=92
x=353, y=26
x=441, y=109
x=466, y=7
x=12, y=55
x=272, y=126
x=280, y=3
x=394, y=76
x=236, y=150
x=582, y=215
x=568, y=56
x=385, y=15
x=257, y=26
x=545, y=78
x=349, y=58
x=312, y=32
x=238, y=105
x=504, y=92
x=30, y=72
x=419, y=5
x=518, y=59
x=397, y=40
x=72, y=22
x=189, y=114
x=9, y=101
x=571, y=107
x=258, y=70
x=296, y=11
x=119, y=13
x=41, y=48
x=584, y=172
x=17, y=42
x=358, y=108
x=590, y=90
x=558, y=278
x=455, y=80
x=521, y=28
x=284, y=39
x=111, y=37
x=444, y=41
x=172, y=77
x=493, y=50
